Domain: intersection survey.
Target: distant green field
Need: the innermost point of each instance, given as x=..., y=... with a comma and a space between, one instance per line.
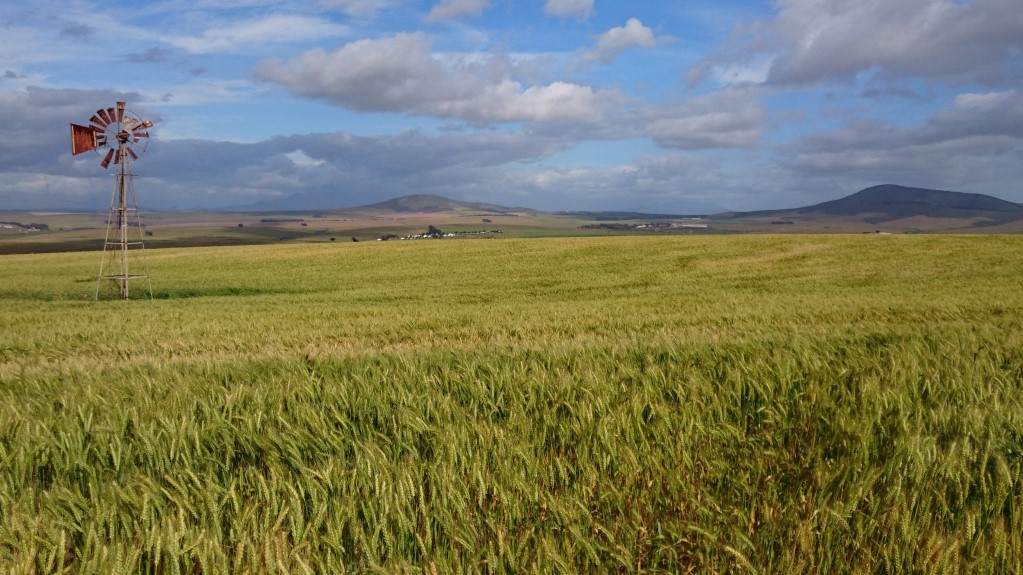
x=68, y=232
x=761, y=404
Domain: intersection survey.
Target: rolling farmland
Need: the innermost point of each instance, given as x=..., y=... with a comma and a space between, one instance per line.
x=763, y=404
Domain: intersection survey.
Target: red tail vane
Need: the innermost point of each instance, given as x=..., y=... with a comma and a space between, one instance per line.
x=83, y=139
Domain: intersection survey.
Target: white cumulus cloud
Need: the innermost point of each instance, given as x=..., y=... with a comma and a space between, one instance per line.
x=569, y=8
x=818, y=40
x=274, y=29
x=400, y=74
x=617, y=40
x=357, y=8
x=451, y=9
x=722, y=120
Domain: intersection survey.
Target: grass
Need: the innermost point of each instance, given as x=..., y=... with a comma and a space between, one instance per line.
x=796, y=404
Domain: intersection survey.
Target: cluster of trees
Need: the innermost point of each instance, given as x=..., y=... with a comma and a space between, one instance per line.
x=30, y=226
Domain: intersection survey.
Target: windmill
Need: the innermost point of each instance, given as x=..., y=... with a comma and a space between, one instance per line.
x=119, y=136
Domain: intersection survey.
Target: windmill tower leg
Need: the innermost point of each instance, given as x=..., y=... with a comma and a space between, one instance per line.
x=106, y=262
x=122, y=218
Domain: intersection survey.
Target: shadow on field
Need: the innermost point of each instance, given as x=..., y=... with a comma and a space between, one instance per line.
x=216, y=292
x=138, y=294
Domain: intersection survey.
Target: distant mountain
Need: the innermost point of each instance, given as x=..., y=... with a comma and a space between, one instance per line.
x=427, y=203
x=890, y=202
x=884, y=208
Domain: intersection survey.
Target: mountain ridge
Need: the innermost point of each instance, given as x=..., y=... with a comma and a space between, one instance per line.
x=890, y=202
x=430, y=203
x=872, y=205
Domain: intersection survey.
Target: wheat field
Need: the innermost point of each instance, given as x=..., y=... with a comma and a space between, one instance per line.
x=747, y=404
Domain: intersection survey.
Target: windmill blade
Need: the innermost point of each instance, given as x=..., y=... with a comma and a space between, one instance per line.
x=120, y=111
x=83, y=139
x=101, y=140
x=117, y=157
x=112, y=114
x=141, y=125
x=106, y=119
x=96, y=121
x=132, y=153
x=106, y=160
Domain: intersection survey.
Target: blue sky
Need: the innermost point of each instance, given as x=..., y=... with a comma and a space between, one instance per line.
x=552, y=104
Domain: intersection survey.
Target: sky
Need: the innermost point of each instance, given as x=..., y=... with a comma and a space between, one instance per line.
x=687, y=106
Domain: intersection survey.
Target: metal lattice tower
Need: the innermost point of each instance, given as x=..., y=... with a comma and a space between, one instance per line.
x=124, y=136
